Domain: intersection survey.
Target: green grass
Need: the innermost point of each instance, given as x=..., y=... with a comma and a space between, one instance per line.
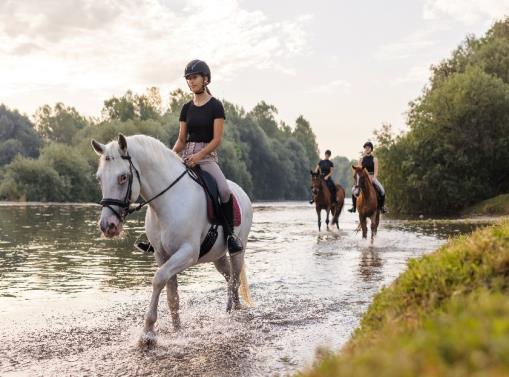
x=446, y=315
x=499, y=205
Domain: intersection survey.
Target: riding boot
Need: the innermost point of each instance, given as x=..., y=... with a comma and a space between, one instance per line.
x=234, y=244
x=354, y=204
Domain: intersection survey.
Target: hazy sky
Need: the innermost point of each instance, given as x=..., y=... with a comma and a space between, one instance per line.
x=346, y=66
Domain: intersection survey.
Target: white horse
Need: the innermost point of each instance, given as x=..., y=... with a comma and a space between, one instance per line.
x=176, y=219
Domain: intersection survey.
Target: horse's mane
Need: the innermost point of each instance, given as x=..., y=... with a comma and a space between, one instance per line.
x=150, y=147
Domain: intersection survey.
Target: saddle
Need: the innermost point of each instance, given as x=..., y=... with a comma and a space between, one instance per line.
x=211, y=191
x=214, y=213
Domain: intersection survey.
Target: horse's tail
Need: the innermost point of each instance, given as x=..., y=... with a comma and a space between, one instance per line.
x=244, y=287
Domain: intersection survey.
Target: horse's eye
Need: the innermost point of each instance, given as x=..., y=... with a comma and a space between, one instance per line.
x=122, y=178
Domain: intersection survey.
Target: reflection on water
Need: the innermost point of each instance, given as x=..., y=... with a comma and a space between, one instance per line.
x=74, y=301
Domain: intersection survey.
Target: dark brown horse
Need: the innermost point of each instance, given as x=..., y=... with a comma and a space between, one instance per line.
x=323, y=200
x=367, y=202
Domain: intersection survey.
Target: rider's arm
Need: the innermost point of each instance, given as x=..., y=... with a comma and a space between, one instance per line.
x=181, y=140
x=330, y=174
x=216, y=140
x=376, y=168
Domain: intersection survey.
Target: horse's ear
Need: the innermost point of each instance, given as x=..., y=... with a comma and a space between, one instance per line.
x=312, y=172
x=98, y=147
x=122, y=143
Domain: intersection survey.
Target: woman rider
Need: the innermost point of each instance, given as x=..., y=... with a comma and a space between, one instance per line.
x=201, y=129
x=370, y=163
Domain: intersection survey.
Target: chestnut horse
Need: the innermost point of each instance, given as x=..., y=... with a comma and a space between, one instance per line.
x=367, y=202
x=322, y=198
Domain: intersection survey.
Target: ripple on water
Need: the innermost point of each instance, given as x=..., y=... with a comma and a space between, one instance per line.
x=75, y=301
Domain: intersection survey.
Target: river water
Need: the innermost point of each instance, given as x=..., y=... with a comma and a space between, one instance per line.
x=72, y=303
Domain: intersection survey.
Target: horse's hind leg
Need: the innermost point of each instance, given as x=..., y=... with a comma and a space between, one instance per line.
x=327, y=218
x=223, y=266
x=237, y=262
x=173, y=301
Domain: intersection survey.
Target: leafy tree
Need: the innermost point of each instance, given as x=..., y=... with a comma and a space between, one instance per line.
x=31, y=180
x=17, y=136
x=60, y=123
x=306, y=137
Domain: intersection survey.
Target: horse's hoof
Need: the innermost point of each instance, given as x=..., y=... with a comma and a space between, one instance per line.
x=147, y=340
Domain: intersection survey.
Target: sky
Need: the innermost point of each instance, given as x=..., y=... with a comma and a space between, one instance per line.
x=347, y=67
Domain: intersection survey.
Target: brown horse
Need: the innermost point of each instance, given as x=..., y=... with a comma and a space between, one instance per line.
x=367, y=202
x=322, y=198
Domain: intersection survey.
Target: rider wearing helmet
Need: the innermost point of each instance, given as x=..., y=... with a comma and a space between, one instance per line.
x=326, y=169
x=201, y=130
x=370, y=163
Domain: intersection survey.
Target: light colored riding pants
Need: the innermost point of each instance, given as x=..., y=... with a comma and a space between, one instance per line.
x=376, y=183
x=210, y=164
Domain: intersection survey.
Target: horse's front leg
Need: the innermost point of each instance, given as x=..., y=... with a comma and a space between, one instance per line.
x=363, y=220
x=319, y=215
x=173, y=301
x=327, y=218
x=374, y=224
x=185, y=257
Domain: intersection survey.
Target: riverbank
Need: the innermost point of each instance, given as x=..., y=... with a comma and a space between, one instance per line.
x=497, y=206
x=447, y=314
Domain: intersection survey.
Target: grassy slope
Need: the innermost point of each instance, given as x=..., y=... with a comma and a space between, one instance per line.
x=499, y=205
x=448, y=315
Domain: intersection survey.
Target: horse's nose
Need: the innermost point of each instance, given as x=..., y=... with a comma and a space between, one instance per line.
x=108, y=228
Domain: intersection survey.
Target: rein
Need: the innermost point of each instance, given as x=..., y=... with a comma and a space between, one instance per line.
x=125, y=204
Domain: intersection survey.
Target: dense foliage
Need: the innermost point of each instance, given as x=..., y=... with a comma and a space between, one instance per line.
x=456, y=151
x=269, y=159
x=447, y=315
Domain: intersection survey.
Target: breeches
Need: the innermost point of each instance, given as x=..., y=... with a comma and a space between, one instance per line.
x=210, y=164
x=378, y=186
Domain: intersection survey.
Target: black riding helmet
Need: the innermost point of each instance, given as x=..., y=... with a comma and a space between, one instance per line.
x=199, y=67
x=368, y=144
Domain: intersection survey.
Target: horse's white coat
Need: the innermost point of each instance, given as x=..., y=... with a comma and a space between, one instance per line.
x=175, y=223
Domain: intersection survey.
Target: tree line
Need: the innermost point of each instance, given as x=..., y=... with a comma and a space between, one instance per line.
x=50, y=159
x=456, y=149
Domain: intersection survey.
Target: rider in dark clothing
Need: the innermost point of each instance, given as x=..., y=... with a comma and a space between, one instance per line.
x=326, y=168
x=370, y=163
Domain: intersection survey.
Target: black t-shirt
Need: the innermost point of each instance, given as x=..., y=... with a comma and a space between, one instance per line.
x=200, y=119
x=325, y=166
x=368, y=162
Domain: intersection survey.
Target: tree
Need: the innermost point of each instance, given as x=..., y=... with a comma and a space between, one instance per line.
x=17, y=136
x=306, y=137
x=58, y=124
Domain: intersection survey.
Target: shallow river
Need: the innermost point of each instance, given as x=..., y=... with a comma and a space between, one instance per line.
x=72, y=303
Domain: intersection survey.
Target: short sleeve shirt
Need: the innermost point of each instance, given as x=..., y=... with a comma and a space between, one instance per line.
x=325, y=166
x=200, y=119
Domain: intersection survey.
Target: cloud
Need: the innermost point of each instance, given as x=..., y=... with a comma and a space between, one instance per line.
x=417, y=74
x=336, y=86
x=466, y=11
x=119, y=44
x=417, y=43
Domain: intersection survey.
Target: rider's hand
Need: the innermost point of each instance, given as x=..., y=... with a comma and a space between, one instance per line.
x=193, y=160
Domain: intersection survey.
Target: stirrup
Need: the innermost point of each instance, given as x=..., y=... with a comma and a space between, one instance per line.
x=311, y=201
x=144, y=247
x=234, y=244
x=384, y=210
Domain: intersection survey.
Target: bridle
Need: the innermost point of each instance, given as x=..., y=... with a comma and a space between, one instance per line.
x=125, y=204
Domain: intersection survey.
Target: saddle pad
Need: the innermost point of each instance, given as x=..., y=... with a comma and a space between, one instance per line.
x=237, y=215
